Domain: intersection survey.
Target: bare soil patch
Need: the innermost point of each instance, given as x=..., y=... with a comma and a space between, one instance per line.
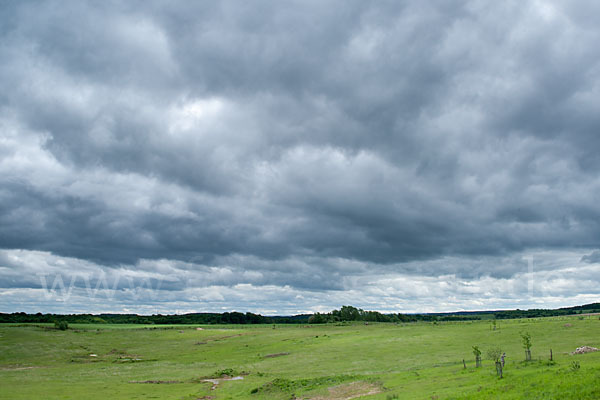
x=350, y=391
x=276, y=355
x=128, y=358
x=15, y=368
x=225, y=337
x=215, y=381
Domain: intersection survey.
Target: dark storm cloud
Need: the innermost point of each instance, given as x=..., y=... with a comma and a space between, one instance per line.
x=306, y=142
x=593, y=257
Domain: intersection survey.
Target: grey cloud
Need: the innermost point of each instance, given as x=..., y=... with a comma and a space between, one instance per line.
x=591, y=258
x=393, y=136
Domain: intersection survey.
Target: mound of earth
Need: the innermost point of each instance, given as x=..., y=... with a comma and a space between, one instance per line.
x=584, y=349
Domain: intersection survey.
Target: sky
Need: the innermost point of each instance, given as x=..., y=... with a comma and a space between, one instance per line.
x=292, y=157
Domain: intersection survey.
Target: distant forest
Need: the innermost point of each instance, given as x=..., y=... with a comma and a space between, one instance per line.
x=346, y=313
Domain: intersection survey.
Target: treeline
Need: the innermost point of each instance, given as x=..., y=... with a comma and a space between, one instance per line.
x=349, y=313
x=536, y=313
x=196, y=318
x=345, y=313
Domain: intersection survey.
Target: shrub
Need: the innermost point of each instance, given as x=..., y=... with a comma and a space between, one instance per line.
x=62, y=325
x=225, y=372
x=575, y=366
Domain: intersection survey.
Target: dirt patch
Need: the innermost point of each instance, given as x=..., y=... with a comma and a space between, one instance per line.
x=128, y=358
x=85, y=358
x=15, y=368
x=568, y=325
x=224, y=337
x=219, y=338
x=350, y=391
x=156, y=382
x=215, y=381
x=584, y=349
x=276, y=355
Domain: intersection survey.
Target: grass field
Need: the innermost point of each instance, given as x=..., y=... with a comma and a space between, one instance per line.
x=375, y=361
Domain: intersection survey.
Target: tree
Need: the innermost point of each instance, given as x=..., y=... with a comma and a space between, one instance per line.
x=526, y=340
x=317, y=318
x=349, y=313
x=477, y=354
x=494, y=354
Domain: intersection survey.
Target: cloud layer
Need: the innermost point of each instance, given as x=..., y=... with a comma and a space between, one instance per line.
x=303, y=147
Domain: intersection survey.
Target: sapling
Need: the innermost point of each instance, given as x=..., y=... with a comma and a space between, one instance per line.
x=477, y=354
x=526, y=340
x=495, y=354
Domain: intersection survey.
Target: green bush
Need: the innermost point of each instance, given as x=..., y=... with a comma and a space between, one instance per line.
x=61, y=325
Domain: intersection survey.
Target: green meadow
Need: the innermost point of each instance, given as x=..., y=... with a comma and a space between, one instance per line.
x=332, y=361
